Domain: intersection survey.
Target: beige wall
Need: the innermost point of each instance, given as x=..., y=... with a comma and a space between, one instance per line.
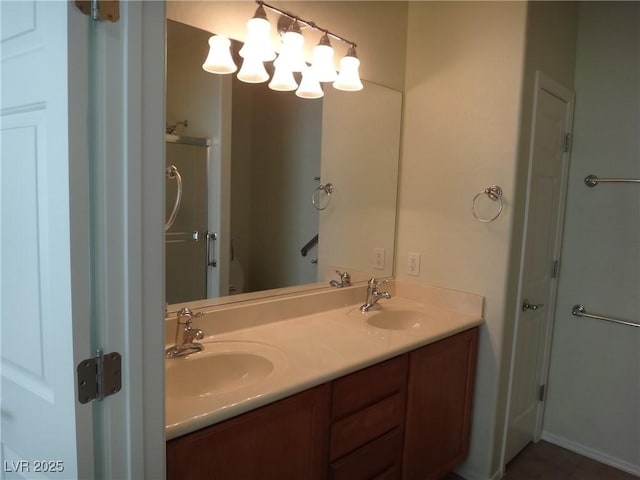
x=240, y=204
x=193, y=94
x=461, y=116
x=594, y=389
x=285, y=160
x=377, y=28
x=188, y=86
x=362, y=164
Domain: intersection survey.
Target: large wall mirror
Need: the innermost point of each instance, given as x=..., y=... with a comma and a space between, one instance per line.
x=256, y=216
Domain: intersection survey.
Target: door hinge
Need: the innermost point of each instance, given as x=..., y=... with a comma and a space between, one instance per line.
x=99, y=377
x=566, y=143
x=555, y=269
x=541, y=390
x=100, y=10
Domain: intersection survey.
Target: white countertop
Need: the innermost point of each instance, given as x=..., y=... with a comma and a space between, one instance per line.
x=311, y=349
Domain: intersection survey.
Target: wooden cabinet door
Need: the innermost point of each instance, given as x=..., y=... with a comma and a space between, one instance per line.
x=439, y=399
x=285, y=440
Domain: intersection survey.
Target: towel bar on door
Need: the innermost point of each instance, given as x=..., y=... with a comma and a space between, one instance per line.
x=579, y=311
x=592, y=180
x=179, y=237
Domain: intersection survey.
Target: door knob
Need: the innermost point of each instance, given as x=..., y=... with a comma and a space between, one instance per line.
x=528, y=306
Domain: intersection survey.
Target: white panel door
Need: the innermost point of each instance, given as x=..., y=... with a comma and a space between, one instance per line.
x=548, y=165
x=44, y=300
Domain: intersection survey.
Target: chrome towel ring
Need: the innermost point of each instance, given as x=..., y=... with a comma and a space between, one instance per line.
x=315, y=198
x=494, y=192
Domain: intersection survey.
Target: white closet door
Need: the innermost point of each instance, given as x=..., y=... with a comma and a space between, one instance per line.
x=44, y=300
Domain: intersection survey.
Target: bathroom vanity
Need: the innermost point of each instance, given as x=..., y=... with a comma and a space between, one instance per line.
x=394, y=401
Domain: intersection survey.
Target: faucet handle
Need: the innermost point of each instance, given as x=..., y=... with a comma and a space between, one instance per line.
x=345, y=278
x=188, y=314
x=374, y=282
x=193, y=334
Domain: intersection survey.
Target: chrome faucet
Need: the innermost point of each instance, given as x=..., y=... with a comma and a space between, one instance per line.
x=345, y=280
x=185, y=342
x=373, y=295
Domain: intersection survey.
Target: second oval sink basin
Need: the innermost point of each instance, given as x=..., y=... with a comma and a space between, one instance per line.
x=220, y=367
x=395, y=319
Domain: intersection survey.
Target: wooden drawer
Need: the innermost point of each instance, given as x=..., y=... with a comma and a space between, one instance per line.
x=380, y=459
x=366, y=387
x=394, y=473
x=366, y=425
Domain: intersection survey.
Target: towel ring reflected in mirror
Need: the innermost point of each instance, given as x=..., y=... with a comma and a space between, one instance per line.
x=494, y=192
x=317, y=195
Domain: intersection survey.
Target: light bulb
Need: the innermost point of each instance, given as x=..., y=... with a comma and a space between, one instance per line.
x=292, y=53
x=349, y=78
x=322, y=64
x=219, y=58
x=258, y=42
x=309, y=85
x=282, y=80
x=253, y=71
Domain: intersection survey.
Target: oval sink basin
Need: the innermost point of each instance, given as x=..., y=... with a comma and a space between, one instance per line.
x=395, y=319
x=220, y=367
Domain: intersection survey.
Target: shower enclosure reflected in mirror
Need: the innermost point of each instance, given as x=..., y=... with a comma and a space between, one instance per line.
x=270, y=153
x=186, y=239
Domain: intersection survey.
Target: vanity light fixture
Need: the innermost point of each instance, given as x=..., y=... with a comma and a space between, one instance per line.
x=310, y=85
x=258, y=42
x=283, y=79
x=219, y=59
x=323, y=60
x=257, y=49
x=253, y=71
x=349, y=79
x=292, y=49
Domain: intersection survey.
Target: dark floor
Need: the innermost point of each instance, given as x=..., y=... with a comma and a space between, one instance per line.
x=545, y=461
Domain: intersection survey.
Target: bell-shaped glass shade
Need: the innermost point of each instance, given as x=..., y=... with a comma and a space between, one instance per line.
x=282, y=80
x=322, y=64
x=349, y=78
x=292, y=53
x=253, y=71
x=309, y=85
x=219, y=58
x=258, y=42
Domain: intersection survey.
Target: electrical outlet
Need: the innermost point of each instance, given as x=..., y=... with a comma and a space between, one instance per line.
x=378, y=258
x=413, y=264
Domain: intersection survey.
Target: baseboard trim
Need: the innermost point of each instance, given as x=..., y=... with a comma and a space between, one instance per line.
x=472, y=475
x=591, y=453
x=497, y=476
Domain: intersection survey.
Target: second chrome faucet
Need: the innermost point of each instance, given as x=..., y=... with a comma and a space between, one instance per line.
x=373, y=295
x=186, y=336
x=345, y=280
